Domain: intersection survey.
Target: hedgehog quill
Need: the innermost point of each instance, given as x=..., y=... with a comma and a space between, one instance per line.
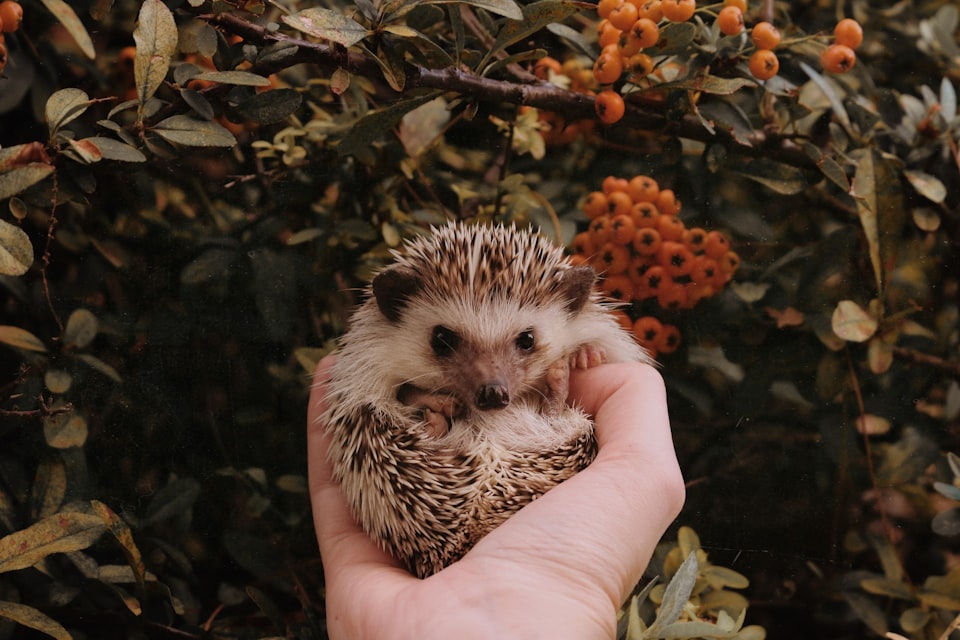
x=447, y=401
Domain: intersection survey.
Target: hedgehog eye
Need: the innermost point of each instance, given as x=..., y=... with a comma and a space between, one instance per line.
x=444, y=341
x=525, y=340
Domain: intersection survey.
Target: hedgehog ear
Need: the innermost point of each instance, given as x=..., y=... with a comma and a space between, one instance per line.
x=577, y=284
x=392, y=287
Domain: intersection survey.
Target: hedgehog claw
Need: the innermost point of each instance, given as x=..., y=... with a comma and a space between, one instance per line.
x=587, y=356
x=558, y=386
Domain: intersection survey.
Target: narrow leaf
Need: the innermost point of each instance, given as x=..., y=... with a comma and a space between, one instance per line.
x=16, y=252
x=71, y=22
x=328, y=24
x=866, y=192
x=156, y=39
x=927, y=185
x=242, y=78
x=20, y=179
x=111, y=149
x=21, y=339
x=33, y=619
x=506, y=8
x=60, y=533
x=194, y=133
x=677, y=594
x=373, y=125
x=536, y=16
x=99, y=365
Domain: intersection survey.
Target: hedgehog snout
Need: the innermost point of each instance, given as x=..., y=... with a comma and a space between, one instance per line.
x=492, y=395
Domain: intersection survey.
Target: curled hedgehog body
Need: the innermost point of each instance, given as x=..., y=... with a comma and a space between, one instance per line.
x=448, y=397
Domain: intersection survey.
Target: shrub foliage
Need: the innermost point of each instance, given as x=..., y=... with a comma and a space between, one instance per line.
x=193, y=193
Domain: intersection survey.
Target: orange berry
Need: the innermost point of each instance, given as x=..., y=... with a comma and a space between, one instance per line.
x=619, y=204
x=646, y=32
x=705, y=272
x=848, y=32
x=639, y=64
x=638, y=267
x=623, y=229
x=651, y=10
x=654, y=279
x=643, y=189
x=764, y=64
x=601, y=230
x=612, y=184
x=583, y=244
x=716, y=245
x=646, y=241
x=678, y=10
x=645, y=214
x=671, y=228
x=618, y=286
x=624, y=16
x=765, y=35
x=595, y=205
x=609, y=106
x=838, y=58
x=11, y=15
x=730, y=262
x=606, y=7
x=676, y=259
x=608, y=67
x=667, y=202
x=612, y=259
x=695, y=239
x=579, y=260
x=730, y=21
x=739, y=4
x=544, y=66
x=698, y=292
x=672, y=296
x=669, y=339
x=647, y=330
x=607, y=34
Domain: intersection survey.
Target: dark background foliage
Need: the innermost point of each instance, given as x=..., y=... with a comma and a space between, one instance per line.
x=178, y=291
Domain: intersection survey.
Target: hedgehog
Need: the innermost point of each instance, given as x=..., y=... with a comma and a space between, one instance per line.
x=447, y=401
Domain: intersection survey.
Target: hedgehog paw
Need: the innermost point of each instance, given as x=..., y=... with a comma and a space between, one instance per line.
x=557, y=386
x=587, y=356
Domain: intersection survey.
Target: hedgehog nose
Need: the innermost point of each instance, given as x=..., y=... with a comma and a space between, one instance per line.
x=492, y=396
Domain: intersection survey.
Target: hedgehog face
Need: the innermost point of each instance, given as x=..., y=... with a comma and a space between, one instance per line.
x=485, y=351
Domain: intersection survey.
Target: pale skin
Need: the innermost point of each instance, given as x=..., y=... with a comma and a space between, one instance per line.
x=559, y=568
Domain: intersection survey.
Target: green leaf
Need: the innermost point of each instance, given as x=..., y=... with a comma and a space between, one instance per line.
x=328, y=24
x=827, y=165
x=721, y=577
x=156, y=39
x=33, y=619
x=57, y=381
x=536, y=16
x=111, y=149
x=868, y=612
x=708, y=84
x=191, y=132
x=71, y=22
x=65, y=106
x=913, y=620
x=22, y=178
x=506, y=8
x=16, y=252
x=779, y=177
x=676, y=595
x=172, y=500
x=241, y=78
x=268, y=107
x=62, y=532
x=674, y=38
x=373, y=125
x=889, y=588
x=81, y=329
x=99, y=365
x=21, y=339
x=926, y=185
x=853, y=323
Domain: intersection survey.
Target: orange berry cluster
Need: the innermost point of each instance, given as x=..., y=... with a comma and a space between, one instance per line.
x=11, y=15
x=644, y=251
x=839, y=57
x=626, y=29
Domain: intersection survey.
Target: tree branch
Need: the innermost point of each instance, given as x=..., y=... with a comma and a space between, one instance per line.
x=539, y=94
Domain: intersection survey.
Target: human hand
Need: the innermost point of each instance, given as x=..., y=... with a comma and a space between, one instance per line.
x=558, y=568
